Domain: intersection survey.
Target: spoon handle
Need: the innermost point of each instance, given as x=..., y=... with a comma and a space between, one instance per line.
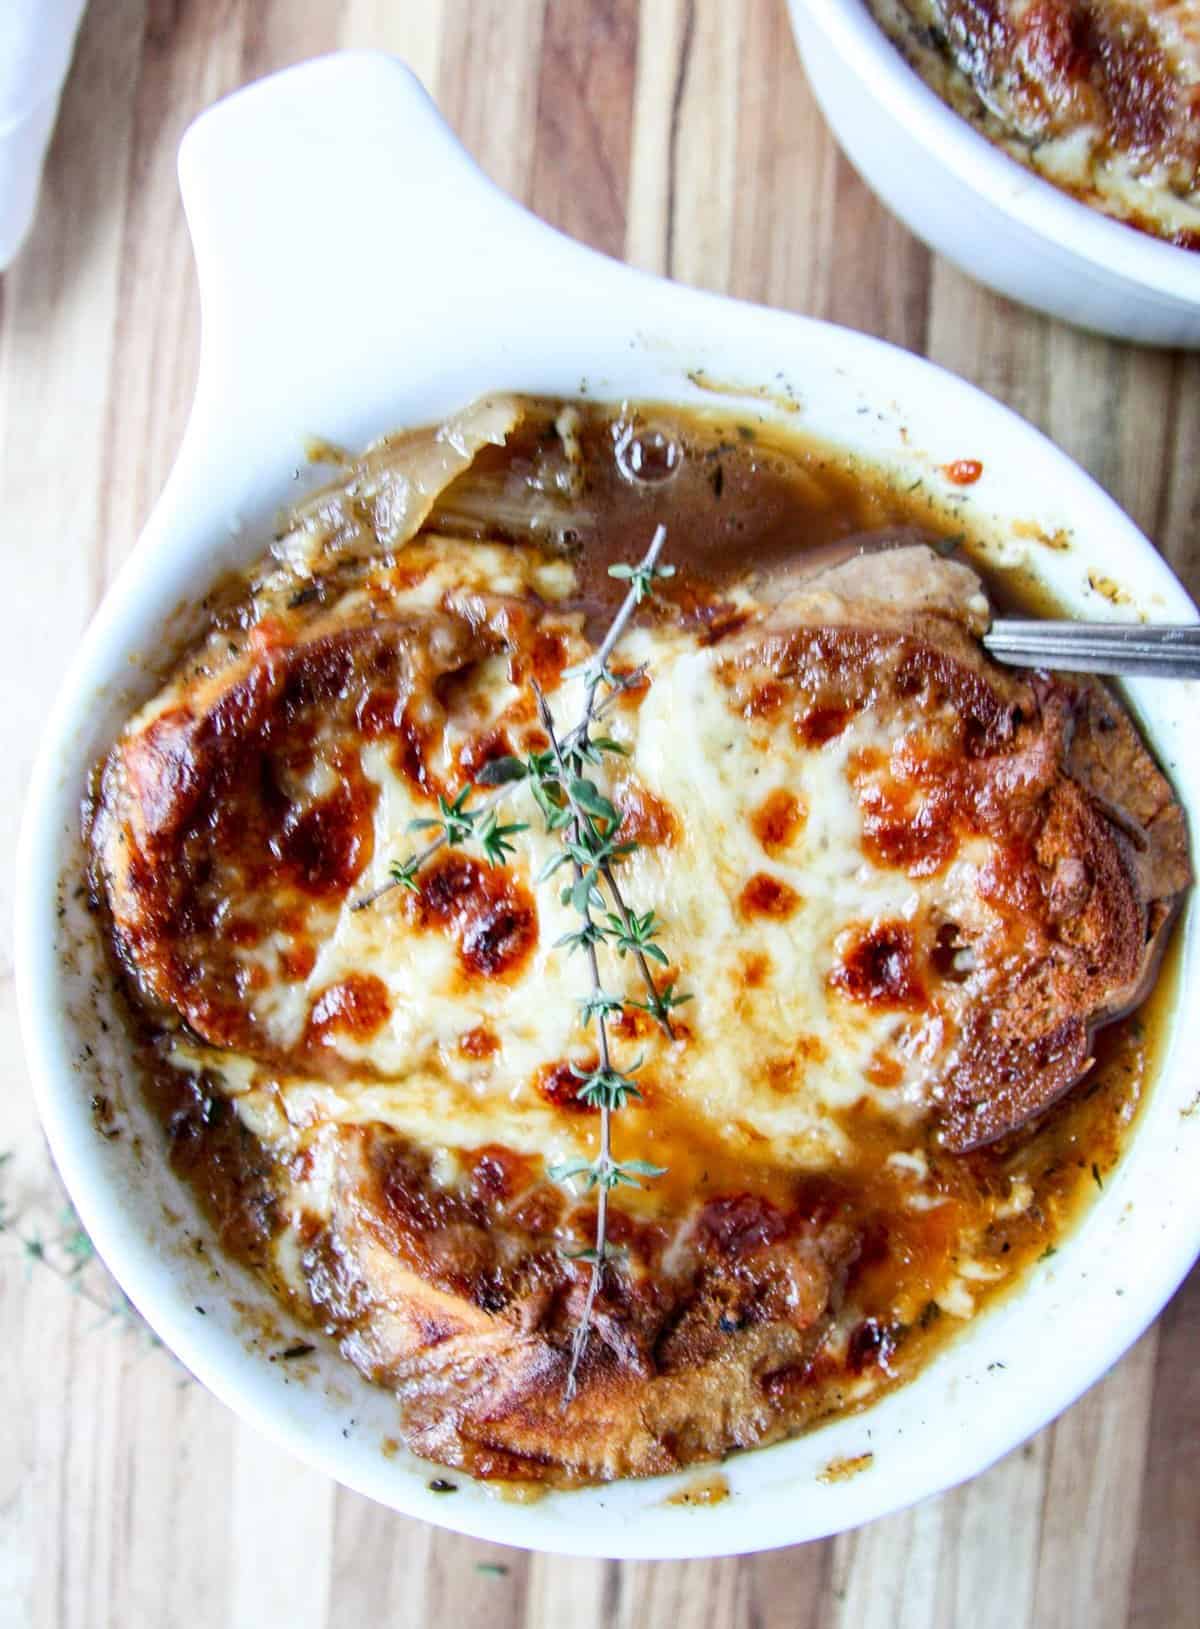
x=1157, y=650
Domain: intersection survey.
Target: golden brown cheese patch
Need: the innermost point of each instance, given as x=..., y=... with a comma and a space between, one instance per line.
x=645, y=818
x=777, y=819
x=357, y=1005
x=558, y=1083
x=258, y=801
x=479, y=1042
x=492, y=917
x=879, y=966
x=765, y=895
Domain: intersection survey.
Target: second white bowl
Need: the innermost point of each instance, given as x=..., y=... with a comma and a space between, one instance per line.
x=977, y=206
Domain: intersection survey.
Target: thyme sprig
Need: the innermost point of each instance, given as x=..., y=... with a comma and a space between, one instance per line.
x=588, y=827
x=565, y=796
x=593, y=823
x=403, y=873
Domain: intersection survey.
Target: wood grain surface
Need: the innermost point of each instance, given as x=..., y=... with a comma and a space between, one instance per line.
x=681, y=134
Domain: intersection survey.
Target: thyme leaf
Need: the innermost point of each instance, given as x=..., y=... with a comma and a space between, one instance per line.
x=502, y=772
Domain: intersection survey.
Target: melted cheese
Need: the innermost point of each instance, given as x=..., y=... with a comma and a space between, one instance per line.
x=1082, y=160
x=770, y=1052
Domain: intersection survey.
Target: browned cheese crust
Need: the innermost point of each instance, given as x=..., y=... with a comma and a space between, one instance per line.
x=213, y=831
x=1057, y=65
x=463, y=1305
x=1121, y=75
x=1093, y=851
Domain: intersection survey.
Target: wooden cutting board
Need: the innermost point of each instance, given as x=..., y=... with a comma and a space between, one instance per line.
x=680, y=134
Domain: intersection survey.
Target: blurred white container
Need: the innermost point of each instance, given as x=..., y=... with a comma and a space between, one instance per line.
x=36, y=41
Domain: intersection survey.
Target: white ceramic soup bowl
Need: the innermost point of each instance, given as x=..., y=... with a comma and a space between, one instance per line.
x=443, y=289
x=980, y=208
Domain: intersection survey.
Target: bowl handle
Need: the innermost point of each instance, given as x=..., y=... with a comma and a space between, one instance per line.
x=332, y=211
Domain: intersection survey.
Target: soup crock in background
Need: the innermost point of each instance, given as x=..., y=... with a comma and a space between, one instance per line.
x=441, y=289
x=982, y=209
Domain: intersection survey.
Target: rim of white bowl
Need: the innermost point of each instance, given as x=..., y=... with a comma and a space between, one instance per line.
x=205, y=1350
x=1019, y=191
x=236, y=1377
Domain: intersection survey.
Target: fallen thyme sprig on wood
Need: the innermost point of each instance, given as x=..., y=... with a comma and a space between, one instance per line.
x=69, y=1254
x=588, y=827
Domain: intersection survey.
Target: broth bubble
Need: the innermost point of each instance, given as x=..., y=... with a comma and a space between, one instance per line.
x=647, y=454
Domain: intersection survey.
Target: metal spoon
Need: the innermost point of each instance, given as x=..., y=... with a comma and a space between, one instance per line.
x=1157, y=650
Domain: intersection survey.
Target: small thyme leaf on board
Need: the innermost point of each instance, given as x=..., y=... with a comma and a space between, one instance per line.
x=68, y=1253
